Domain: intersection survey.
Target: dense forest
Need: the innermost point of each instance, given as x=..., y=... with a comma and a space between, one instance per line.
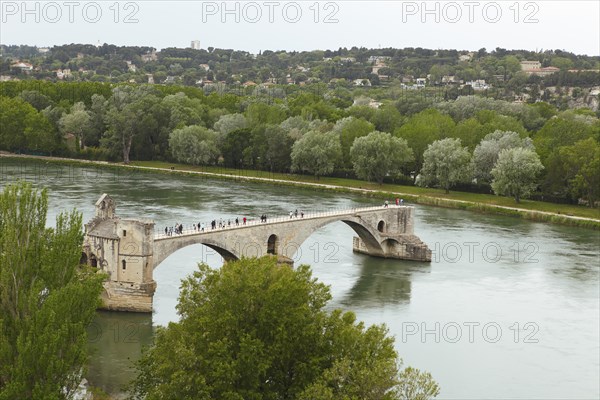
x=319, y=131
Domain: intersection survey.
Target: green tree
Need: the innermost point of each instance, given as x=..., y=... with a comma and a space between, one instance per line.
x=511, y=65
x=22, y=127
x=515, y=173
x=77, y=122
x=261, y=113
x=563, y=63
x=472, y=130
x=36, y=99
x=130, y=117
x=257, y=330
x=582, y=165
x=417, y=385
x=487, y=151
x=194, y=145
x=276, y=148
x=349, y=129
x=387, y=118
x=183, y=111
x=46, y=299
x=378, y=154
x=295, y=127
x=445, y=164
x=424, y=128
x=564, y=130
x=316, y=153
x=97, y=127
x=230, y=123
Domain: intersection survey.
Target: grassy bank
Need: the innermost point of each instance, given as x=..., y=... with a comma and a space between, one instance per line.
x=528, y=209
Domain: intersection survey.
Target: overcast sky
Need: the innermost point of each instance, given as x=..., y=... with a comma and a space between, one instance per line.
x=307, y=25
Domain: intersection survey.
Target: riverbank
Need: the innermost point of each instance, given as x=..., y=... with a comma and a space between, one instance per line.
x=528, y=209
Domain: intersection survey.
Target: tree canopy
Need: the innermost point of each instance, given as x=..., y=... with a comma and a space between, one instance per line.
x=46, y=299
x=258, y=330
x=445, y=164
x=316, y=153
x=516, y=172
x=487, y=151
x=194, y=145
x=378, y=154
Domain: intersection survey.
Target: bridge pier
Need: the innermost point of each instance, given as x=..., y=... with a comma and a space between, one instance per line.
x=123, y=249
x=402, y=247
x=128, y=296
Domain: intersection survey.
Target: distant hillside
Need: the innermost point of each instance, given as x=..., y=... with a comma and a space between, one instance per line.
x=508, y=74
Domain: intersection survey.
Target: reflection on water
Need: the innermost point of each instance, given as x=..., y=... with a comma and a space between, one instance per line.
x=383, y=281
x=115, y=344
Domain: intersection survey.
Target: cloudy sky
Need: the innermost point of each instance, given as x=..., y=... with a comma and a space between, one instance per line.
x=307, y=25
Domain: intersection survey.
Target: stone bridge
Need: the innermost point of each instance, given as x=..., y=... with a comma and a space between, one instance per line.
x=128, y=250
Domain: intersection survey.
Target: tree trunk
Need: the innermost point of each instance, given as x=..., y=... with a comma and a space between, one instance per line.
x=517, y=198
x=126, y=148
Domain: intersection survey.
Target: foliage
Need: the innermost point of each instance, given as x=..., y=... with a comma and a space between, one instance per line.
x=378, y=154
x=349, y=129
x=23, y=127
x=487, y=151
x=124, y=121
x=46, y=300
x=316, y=153
x=564, y=130
x=582, y=161
x=468, y=106
x=445, y=164
x=515, y=173
x=77, y=122
x=258, y=330
x=417, y=385
x=472, y=130
x=194, y=145
x=424, y=128
x=271, y=146
x=230, y=123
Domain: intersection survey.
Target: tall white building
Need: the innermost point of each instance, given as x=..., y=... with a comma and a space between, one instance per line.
x=195, y=44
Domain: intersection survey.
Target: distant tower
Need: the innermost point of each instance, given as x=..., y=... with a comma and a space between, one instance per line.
x=196, y=44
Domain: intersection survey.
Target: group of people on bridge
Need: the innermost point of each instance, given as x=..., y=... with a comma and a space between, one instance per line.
x=399, y=202
x=221, y=223
x=214, y=224
x=294, y=214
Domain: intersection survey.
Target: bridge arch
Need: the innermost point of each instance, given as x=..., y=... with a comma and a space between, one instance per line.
x=164, y=247
x=365, y=231
x=272, y=243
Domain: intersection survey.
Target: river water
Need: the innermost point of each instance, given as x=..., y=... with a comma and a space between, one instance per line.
x=507, y=308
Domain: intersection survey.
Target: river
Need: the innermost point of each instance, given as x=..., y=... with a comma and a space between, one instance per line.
x=508, y=308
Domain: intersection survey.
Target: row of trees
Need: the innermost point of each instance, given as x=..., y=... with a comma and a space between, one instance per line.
x=502, y=159
x=319, y=134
